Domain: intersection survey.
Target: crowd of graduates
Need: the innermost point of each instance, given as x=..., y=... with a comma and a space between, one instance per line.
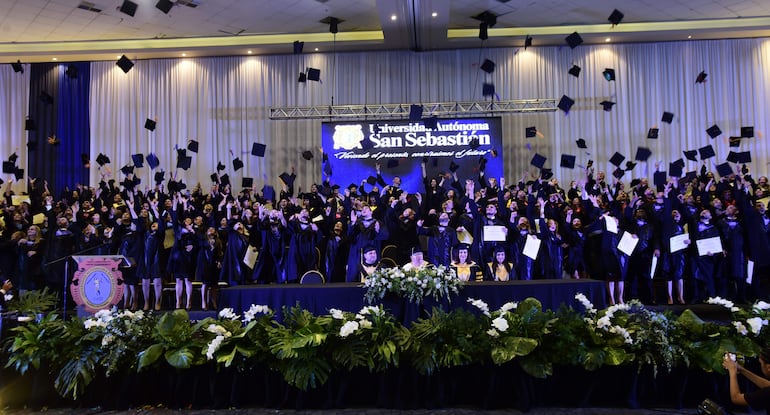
x=485, y=228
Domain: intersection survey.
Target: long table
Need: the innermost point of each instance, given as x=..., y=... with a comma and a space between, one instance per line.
x=350, y=296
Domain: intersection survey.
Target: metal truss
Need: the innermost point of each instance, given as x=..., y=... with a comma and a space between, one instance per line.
x=401, y=111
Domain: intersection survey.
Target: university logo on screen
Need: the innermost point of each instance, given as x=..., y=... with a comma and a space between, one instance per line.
x=390, y=136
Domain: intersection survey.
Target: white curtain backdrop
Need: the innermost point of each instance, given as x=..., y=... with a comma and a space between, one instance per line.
x=223, y=103
x=14, y=104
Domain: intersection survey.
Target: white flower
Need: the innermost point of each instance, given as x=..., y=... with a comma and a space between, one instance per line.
x=587, y=304
x=740, y=328
x=370, y=310
x=214, y=346
x=761, y=305
x=228, y=313
x=107, y=339
x=252, y=312
x=500, y=323
x=365, y=324
x=724, y=303
x=336, y=314
x=349, y=328
x=509, y=306
x=620, y=330
x=218, y=330
x=493, y=333
x=480, y=305
x=604, y=322
x=756, y=324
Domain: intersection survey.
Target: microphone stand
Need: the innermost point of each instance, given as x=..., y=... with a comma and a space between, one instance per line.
x=67, y=274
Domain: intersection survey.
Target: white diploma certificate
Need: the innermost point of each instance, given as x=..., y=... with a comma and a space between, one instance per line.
x=676, y=243
x=250, y=257
x=610, y=224
x=709, y=246
x=494, y=233
x=749, y=271
x=532, y=246
x=653, y=266
x=627, y=243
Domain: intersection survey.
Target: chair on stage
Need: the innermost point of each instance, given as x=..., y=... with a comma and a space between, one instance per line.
x=312, y=277
x=390, y=252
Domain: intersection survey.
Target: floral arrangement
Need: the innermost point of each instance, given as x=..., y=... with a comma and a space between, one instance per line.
x=413, y=285
x=307, y=348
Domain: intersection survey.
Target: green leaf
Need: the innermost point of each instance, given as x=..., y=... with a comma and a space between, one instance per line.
x=149, y=356
x=180, y=359
x=616, y=356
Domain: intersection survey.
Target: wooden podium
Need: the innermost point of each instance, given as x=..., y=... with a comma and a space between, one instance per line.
x=98, y=281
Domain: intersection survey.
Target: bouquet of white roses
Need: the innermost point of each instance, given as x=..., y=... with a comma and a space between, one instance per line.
x=414, y=285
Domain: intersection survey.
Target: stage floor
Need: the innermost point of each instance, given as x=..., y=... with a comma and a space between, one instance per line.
x=350, y=296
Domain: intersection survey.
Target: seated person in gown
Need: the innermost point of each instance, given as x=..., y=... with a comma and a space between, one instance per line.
x=500, y=269
x=416, y=261
x=465, y=268
x=370, y=262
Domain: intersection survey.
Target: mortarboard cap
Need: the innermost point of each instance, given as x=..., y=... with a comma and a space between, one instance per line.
x=667, y=117
x=164, y=5
x=527, y=42
x=567, y=161
x=184, y=162
x=701, y=78
x=609, y=74
x=725, y=169
x=237, y=164
x=150, y=124
x=287, y=179
x=546, y=174
x=688, y=177
x=574, y=40
x=136, y=181
x=487, y=66
x=453, y=166
x=530, y=132
x=674, y=170
x=706, y=152
x=247, y=182
x=642, y=154
x=127, y=169
x=159, y=176
x=313, y=74
x=85, y=160
x=214, y=178
x=630, y=165
x=327, y=168
x=487, y=89
x=659, y=178
x=9, y=167
x=192, y=145
x=268, y=193
x=224, y=180
x=138, y=160
x=17, y=66
x=13, y=157
x=302, y=77
x=618, y=173
x=101, y=159
x=128, y=7
x=307, y=155
x=482, y=163
x=747, y=132
x=392, y=163
x=744, y=157
x=152, y=161
x=679, y=162
x=124, y=63
x=220, y=166
x=714, y=131
x=617, y=158
x=732, y=157
x=691, y=155
x=607, y=105
x=538, y=161
x=581, y=143
x=735, y=141
x=415, y=112
x=652, y=133
x=18, y=174
x=615, y=17
x=430, y=123
x=565, y=103
x=574, y=71
x=474, y=143
x=635, y=182
x=371, y=180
